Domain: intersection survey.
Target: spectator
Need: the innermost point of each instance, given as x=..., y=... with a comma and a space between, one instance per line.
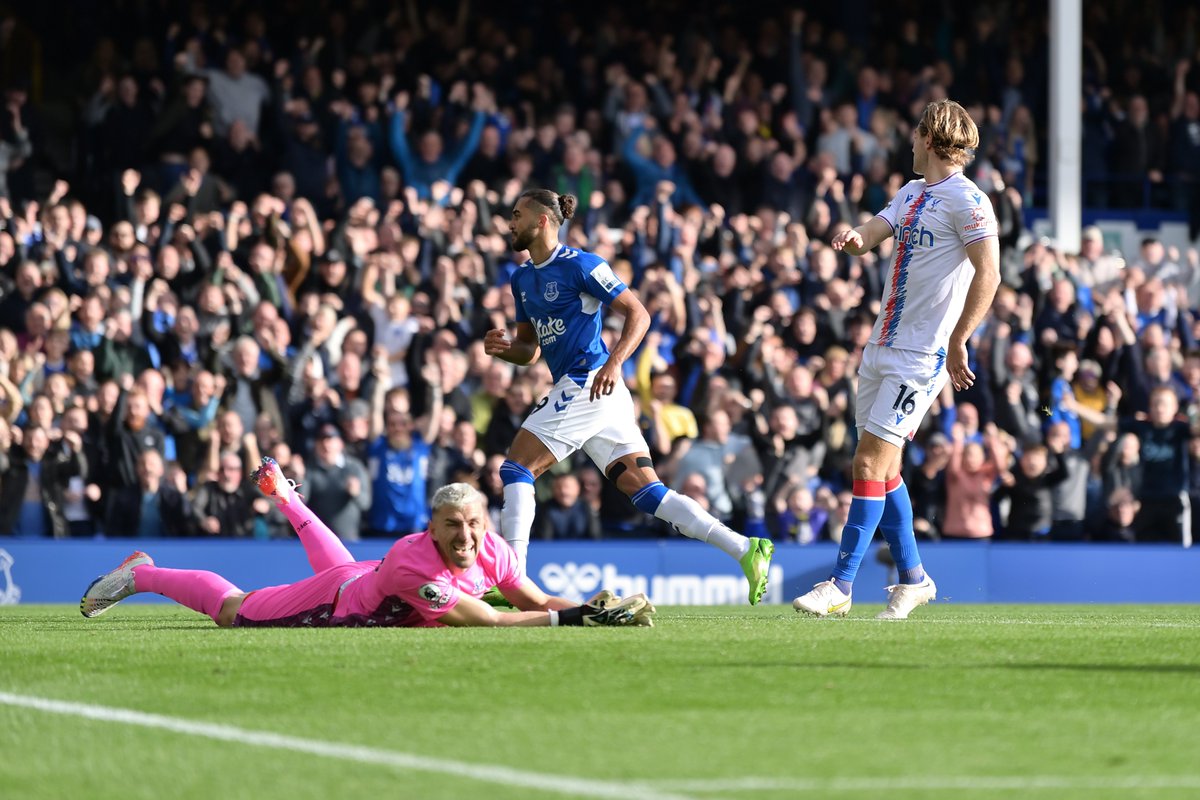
x=224, y=506
x=1165, y=514
x=431, y=164
x=1120, y=524
x=1061, y=404
x=13, y=154
x=566, y=515
x=339, y=488
x=34, y=479
x=837, y=508
x=398, y=463
x=1028, y=488
x=1098, y=270
x=709, y=456
x=1069, y=495
x=236, y=94
x=130, y=430
x=1121, y=466
x=155, y=507
x=926, y=483
x=970, y=476
x=797, y=518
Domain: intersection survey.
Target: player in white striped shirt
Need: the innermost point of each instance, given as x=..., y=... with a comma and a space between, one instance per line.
x=937, y=290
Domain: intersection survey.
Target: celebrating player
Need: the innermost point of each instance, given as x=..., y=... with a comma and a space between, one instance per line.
x=558, y=295
x=931, y=306
x=426, y=579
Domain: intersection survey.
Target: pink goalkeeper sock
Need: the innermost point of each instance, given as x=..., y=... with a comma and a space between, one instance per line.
x=198, y=590
x=322, y=546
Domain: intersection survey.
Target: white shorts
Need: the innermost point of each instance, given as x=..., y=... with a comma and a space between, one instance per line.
x=606, y=429
x=895, y=389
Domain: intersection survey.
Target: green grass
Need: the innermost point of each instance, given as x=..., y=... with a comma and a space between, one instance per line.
x=968, y=701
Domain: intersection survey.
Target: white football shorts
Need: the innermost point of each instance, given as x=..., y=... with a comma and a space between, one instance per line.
x=606, y=429
x=895, y=390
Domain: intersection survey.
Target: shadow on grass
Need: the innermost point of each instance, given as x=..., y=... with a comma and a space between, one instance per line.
x=1185, y=669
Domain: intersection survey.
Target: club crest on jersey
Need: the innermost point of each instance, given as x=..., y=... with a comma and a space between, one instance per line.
x=551, y=293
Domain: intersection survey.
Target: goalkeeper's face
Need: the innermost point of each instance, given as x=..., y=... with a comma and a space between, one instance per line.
x=458, y=533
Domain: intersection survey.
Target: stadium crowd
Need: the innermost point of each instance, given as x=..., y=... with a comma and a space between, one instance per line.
x=285, y=234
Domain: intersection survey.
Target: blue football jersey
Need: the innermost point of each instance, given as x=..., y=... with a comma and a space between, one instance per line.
x=561, y=298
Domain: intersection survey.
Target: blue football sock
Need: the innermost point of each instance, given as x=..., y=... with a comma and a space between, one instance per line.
x=897, y=528
x=865, y=512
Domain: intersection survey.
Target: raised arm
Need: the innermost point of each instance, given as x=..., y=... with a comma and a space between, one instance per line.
x=399, y=138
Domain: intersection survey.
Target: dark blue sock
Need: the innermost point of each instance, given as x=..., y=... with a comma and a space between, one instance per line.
x=865, y=512
x=897, y=528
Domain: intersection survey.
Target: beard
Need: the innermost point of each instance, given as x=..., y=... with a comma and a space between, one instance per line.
x=522, y=239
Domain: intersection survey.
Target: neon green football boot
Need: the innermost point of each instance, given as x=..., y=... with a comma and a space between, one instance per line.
x=756, y=563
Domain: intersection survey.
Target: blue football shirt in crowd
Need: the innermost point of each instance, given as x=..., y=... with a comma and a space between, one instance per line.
x=398, y=485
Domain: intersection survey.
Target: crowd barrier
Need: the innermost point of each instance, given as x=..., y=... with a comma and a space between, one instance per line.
x=673, y=572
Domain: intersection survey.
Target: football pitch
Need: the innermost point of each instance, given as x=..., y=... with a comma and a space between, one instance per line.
x=151, y=701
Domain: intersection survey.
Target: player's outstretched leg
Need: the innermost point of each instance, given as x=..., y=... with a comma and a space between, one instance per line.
x=322, y=546
x=199, y=590
x=686, y=515
x=915, y=588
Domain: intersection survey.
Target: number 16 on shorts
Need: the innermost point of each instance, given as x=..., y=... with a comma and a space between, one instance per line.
x=906, y=401
x=895, y=390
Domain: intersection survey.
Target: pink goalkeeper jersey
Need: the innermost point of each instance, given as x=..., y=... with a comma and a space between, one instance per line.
x=926, y=285
x=413, y=587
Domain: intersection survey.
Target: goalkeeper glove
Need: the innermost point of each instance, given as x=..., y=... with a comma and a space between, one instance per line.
x=602, y=599
x=634, y=610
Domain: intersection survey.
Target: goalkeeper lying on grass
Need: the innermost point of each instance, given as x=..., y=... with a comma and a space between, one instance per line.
x=426, y=579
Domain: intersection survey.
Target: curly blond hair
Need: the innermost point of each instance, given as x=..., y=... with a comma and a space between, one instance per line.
x=954, y=133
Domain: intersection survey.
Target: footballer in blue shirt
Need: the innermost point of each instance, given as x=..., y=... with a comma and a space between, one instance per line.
x=560, y=294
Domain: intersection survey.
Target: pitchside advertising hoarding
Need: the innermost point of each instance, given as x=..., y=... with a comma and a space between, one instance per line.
x=670, y=572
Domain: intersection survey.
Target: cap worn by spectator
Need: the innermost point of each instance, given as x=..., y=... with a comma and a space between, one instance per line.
x=936, y=439
x=356, y=409
x=93, y=223
x=332, y=255
x=329, y=431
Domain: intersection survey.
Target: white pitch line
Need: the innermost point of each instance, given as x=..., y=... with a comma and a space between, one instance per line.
x=1066, y=623
x=507, y=776
x=933, y=784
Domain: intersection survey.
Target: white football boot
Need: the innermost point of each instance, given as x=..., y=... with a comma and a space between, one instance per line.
x=824, y=600
x=904, y=597
x=113, y=587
